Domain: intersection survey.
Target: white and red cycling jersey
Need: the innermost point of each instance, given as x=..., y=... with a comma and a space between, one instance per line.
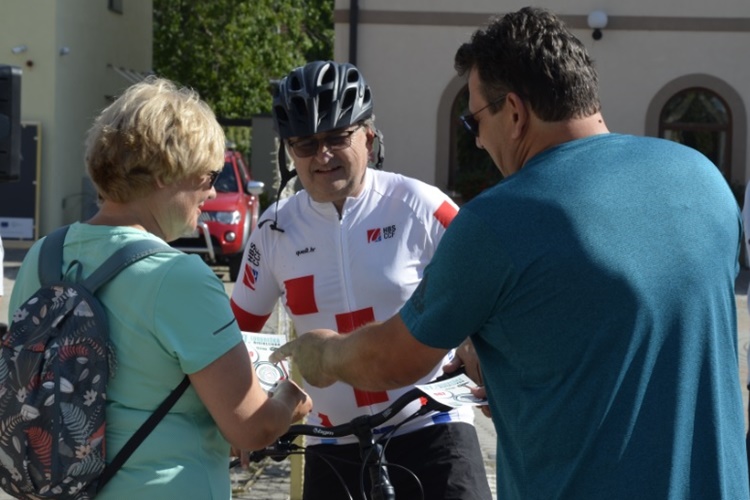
x=343, y=272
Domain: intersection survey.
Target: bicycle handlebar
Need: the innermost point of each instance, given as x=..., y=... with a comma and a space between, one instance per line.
x=284, y=445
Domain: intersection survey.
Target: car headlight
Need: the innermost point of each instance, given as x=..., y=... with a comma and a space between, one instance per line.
x=226, y=217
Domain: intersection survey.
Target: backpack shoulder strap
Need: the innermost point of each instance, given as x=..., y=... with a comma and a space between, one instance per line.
x=51, y=256
x=51, y=259
x=122, y=258
x=142, y=433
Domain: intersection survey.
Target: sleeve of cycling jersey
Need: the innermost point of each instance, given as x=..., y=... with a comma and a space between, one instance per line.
x=444, y=214
x=256, y=291
x=442, y=211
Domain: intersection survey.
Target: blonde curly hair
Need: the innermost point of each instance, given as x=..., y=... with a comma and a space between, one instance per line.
x=153, y=131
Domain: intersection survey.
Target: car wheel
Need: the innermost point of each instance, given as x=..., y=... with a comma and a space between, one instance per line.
x=235, y=262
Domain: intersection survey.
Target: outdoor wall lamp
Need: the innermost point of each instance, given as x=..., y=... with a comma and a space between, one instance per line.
x=19, y=49
x=597, y=21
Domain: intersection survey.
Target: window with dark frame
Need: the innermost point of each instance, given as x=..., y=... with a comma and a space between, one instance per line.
x=700, y=118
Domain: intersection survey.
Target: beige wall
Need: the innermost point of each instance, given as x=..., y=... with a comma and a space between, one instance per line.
x=65, y=92
x=684, y=8
x=406, y=49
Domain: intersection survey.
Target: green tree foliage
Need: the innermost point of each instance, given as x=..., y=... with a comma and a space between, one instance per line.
x=230, y=50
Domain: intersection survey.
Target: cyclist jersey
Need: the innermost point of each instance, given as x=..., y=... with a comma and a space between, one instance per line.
x=343, y=272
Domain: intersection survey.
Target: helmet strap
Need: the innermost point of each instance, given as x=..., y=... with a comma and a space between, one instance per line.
x=286, y=176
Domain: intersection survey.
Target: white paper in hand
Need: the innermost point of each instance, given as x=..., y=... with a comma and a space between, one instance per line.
x=260, y=346
x=453, y=392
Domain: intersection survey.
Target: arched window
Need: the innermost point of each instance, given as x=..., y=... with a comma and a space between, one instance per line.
x=699, y=118
x=471, y=169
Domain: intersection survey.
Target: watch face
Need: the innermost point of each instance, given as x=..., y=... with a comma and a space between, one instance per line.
x=268, y=373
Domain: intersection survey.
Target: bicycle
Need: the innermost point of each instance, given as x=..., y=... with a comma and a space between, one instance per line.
x=371, y=449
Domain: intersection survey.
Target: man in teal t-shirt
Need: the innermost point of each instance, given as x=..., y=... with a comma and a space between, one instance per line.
x=603, y=319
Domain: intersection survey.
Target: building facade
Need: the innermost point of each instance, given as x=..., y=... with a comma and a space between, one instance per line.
x=672, y=68
x=75, y=56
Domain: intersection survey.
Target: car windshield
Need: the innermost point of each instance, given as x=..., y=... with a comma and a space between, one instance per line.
x=227, y=181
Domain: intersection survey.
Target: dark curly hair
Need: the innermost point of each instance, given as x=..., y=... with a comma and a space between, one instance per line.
x=532, y=53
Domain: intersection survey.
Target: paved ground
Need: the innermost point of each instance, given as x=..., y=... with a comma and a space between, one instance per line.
x=271, y=481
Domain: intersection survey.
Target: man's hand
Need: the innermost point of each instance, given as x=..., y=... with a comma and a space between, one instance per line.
x=466, y=356
x=308, y=353
x=480, y=393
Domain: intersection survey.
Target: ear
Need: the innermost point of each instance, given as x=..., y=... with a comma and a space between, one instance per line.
x=370, y=135
x=519, y=114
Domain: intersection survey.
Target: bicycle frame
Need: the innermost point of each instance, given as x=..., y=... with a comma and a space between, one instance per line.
x=361, y=427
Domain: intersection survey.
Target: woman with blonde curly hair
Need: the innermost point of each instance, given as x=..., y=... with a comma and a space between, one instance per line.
x=153, y=156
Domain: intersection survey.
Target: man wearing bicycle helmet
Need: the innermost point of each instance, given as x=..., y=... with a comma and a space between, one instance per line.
x=347, y=250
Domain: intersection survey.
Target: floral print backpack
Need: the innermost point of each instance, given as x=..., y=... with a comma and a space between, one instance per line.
x=55, y=362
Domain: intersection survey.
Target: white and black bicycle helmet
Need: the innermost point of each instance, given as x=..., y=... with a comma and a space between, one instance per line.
x=318, y=97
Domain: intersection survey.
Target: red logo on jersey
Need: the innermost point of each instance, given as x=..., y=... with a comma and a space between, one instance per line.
x=249, y=277
x=373, y=235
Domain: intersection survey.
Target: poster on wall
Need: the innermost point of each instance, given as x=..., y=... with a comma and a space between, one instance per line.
x=19, y=200
x=18, y=228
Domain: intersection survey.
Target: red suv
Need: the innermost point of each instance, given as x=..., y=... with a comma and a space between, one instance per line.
x=227, y=220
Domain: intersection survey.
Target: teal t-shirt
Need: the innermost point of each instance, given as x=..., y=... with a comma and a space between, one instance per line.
x=169, y=315
x=597, y=284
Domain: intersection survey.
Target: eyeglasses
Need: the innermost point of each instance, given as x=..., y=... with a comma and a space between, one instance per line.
x=304, y=148
x=471, y=123
x=213, y=175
